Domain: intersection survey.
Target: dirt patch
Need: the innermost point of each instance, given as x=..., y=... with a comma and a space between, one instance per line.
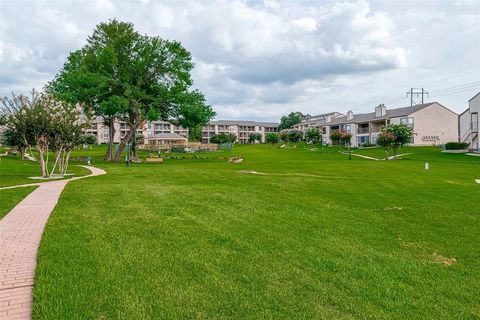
x=235, y=159
x=392, y=208
x=251, y=172
x=413, y=245
x=442, y=260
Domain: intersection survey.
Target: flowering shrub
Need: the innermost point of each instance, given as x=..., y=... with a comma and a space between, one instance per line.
x=46, y=124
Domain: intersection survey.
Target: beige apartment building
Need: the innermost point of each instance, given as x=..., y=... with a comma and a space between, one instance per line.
x=432, y=123
x=242, y=129
x=469, y=125
x=160, y=130
x=314, y=121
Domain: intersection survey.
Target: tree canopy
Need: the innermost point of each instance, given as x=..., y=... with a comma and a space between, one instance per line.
x=291, y=119
x=402, y=135
x=121, y=74
x=224, y=137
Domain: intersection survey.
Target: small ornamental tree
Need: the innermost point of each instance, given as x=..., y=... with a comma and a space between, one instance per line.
x=345, y=138
x=295, y=135
x=46, y=124
x=224, y=137
x=385, y=140
x=313, y=135
x=254, y=137
x=284, y=136
x=403, y=135
x=88, y=139
x=272, y=138
x=335, y=136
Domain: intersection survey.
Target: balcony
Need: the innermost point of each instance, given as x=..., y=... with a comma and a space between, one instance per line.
x=363, y=130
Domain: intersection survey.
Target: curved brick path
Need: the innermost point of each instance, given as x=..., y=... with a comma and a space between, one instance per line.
x=20, y=233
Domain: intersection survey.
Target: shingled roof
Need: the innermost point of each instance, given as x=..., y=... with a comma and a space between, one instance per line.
x=391, y=113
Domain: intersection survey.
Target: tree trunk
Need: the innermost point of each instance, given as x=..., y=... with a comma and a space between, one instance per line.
x=58, y=155
x=395, y=153
x=65, y=163
x=41, y=161
x=111, y=135
x=125, y=140
x=387, y=153
x=134, y=144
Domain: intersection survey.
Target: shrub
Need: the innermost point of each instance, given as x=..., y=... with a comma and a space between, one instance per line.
x=313, y=135
x=271, y=137
x=222, y=138
x=456, y=145
x=295, y=135
x=335, y=136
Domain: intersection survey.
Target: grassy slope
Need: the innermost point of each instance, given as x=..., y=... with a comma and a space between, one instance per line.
x=11, y=197
x=318, y=237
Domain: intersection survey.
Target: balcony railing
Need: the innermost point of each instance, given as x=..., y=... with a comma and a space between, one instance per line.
x=474, y=126
x=363, y=130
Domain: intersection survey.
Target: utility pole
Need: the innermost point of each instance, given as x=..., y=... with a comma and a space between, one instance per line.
x=417, y=92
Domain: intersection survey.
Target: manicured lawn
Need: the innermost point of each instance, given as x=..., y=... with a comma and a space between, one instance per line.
x=9, y=198
x=315, y=236
x=14, y=171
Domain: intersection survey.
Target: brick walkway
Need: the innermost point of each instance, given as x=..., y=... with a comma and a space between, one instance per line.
x=20, y=234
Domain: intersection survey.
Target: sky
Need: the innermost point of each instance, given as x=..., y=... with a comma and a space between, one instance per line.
x=259, y=60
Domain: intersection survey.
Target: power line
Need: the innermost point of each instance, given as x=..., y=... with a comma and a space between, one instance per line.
x=474, y=83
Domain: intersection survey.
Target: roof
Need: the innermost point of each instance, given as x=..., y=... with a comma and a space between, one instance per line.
x=391, y=113
x=478, y=93
x=167, y=136
x=243, y=123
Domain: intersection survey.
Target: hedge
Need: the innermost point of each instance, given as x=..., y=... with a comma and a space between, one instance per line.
x=456, y=145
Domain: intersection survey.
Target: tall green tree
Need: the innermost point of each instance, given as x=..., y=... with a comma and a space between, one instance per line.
x=121, y=74
x=291, y=119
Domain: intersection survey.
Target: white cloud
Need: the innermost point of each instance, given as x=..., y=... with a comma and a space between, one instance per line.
x=263, y=59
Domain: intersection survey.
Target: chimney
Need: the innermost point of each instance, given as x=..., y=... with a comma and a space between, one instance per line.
x=328, y=119
x=349, y=115
x=380, y=111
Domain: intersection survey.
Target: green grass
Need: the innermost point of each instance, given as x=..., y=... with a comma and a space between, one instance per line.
x=9, y=198
x=316, y=236
x=14, y=171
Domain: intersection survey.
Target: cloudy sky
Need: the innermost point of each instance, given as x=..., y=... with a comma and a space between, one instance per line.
x=258, y=60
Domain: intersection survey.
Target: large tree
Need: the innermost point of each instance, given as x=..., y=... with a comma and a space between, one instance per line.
x=291, y=119
x=124, y=75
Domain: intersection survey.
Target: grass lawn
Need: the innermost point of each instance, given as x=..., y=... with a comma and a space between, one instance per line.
x=9, y=198
x=315, y=236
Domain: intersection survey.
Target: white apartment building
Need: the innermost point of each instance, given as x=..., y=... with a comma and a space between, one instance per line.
x=469, y=125
x=432, y=123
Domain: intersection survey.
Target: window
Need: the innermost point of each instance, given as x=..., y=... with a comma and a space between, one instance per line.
x=407, y=121
x=348, y=128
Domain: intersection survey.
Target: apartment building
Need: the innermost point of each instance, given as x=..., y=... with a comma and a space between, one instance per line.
x=147, y=130
x=313, y=121
x=242, y=129
x=432, y=123
x=155, y=130
x=469, y=125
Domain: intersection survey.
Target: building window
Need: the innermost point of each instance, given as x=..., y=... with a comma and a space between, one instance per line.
x=348, y=128
x=407, y=121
